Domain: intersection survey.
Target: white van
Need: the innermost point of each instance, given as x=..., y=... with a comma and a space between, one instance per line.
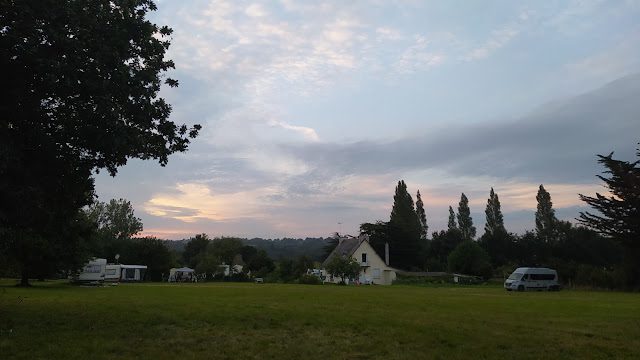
x=526, y=278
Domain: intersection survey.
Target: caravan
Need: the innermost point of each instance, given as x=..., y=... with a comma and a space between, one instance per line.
x=120, y=272
x=526, y=278
x=93, y=272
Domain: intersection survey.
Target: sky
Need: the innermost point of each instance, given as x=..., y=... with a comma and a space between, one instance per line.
x=312, y=111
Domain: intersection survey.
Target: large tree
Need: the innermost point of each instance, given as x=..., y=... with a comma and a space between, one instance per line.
x=82, y=82
x=495, y=220
x=451, y=224
x=422, y=216
x=618, y=213
x=465, y=222
x=545, y=216
x=406, y=244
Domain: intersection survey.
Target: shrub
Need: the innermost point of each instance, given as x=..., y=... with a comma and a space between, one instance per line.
x=309, y=280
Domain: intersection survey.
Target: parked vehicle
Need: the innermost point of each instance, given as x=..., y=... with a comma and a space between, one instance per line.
x=526, y=278
x=121, y=272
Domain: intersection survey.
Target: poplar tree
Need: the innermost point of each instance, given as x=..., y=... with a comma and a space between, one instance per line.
x=465, y=223
x=405, y=249
x=421, y=216
x=495, y=221
x=545, y=216
x=452, y=220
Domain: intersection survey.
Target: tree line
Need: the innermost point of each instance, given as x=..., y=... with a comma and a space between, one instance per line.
x=601, y=250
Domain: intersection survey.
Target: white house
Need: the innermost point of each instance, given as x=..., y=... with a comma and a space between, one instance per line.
x=373, y=269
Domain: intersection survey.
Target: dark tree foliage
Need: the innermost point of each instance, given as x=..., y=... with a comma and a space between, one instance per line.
x=151, y=252
x=195, y=249
x=332, y=242
x=422, y=216
x=495, y=221
x=115, y=219
x=545, y=216
x=470, y=259
x=260, y=264
x=618, y=214
x=441, y=245
x=379, y=233
x=406, y=245
x=465, y=222
x=82, y=80
x=344, y=268
x=452, y=225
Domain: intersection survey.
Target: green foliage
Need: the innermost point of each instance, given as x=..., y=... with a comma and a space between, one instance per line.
x=260, y=264
x=194, y=249
x=441, y=245
x=309, y=280
x=82, y=83
x=151, y=252
x=499, y=245
x=470, y=259
x=465, y=223
x=114, y=220
x=545, y=216
x=618, y=215
x=344, y=268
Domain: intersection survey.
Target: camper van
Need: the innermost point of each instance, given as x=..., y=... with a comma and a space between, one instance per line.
x=526, y=278
x=93, y=272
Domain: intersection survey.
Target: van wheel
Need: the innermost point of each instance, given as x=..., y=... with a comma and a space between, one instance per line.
x=520, y=287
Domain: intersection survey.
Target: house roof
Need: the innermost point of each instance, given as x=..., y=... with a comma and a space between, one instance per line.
x=346, y=247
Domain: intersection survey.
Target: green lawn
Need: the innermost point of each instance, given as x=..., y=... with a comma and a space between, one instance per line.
x=54, y=320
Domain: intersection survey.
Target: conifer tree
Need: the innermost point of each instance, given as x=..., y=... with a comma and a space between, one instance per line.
x=465, y=223
x=406, y=247
x=545, y=216
x=618, y=215
x=495, y=221
x=422, y=216
x=452, y=220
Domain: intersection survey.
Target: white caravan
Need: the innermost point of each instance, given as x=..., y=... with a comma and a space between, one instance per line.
x=526, y=278
x=120, y=272
x=93, y=272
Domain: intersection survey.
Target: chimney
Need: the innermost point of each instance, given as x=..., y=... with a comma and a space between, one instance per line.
x=386, y=253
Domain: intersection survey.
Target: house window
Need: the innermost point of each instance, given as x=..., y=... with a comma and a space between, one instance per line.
x=376, y=273
x=364, y=257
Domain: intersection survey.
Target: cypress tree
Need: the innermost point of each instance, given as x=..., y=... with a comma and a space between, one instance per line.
x=422, y=216
x=495, y=221
x=545, y=216
x=465, y=223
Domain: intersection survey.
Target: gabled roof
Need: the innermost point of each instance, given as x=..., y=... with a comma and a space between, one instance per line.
x=346, y=247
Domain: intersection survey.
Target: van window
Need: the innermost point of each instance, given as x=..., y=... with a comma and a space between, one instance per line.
x=515, y=276
x=543, y=276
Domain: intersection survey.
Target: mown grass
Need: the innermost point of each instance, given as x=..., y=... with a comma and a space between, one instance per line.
x=271, y=321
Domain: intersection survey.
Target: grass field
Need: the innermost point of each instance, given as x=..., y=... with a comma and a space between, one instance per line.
x=54, y=320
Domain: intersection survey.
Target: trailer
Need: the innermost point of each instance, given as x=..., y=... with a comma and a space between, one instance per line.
x=124, y=273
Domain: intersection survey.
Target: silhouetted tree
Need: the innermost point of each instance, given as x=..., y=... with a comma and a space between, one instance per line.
x=422, y=216
x=545, y=216
x=452, y=225
x=195, y=249
x=618, y=215
x=82, y=82
x=465, y=223
x=406, y=247
x=470, y=259
x=495, y=221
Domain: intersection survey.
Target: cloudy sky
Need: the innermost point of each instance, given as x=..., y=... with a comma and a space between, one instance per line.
x=312, y=111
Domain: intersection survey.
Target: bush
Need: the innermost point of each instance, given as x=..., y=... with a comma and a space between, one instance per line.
x=470, y=259
x=309, y=280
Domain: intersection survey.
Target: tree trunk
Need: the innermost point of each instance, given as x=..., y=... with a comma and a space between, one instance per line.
x=24, y=282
